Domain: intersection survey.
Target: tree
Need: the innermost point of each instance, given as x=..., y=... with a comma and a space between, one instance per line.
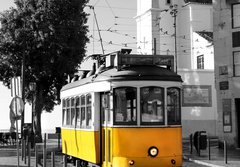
x=51, y=36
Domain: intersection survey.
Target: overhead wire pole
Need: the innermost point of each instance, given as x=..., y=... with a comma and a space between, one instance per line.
x=16, y=121
x=173, y=12
x=154, y=40
x=92, y=7
x=23, y=94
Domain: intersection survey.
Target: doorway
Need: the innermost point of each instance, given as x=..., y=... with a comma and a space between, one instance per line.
x=237, y=105
x=105, y=136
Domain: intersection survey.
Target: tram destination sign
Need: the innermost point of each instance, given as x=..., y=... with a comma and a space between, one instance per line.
x=161, y=60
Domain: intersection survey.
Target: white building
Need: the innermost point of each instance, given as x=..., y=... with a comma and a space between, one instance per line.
x=193, y=52
x=227, y=60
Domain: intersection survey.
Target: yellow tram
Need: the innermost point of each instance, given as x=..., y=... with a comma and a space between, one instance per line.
x=126, y=114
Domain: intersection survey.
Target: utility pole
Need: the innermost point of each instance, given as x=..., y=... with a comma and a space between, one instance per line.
x=92, y=7
x=173, y=12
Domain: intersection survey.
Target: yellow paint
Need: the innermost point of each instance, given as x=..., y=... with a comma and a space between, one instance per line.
x=107, y=147
x=120, y=145
x=81, y=144
x=133, y=144
x=127, y=140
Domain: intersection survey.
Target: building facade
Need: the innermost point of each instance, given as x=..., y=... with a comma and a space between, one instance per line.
x=184, y=29
x=227, y=68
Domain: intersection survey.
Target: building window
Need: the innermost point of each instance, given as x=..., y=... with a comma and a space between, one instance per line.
x=236, y=39
x=235, y=15
x=200, y=62
x=236, y=63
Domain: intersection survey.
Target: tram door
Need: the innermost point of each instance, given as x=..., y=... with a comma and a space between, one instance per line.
x=106, y=131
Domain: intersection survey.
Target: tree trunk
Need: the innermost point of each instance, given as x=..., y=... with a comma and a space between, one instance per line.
x=37, y=111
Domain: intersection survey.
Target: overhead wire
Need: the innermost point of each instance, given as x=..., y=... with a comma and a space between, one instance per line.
x=119, y=8
x=119, y=31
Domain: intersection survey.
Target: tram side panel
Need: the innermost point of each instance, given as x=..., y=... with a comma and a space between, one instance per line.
x=81, y=144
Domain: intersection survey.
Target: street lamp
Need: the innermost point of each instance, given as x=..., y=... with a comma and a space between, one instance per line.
x=173, y=12
x=32, y=86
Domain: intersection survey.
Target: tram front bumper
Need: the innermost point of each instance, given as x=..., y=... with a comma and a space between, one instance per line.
x=173, y=161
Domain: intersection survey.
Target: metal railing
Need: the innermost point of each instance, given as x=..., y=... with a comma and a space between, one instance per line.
x=212, y=142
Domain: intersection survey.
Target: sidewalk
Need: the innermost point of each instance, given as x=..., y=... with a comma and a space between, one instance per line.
x=8, y=158
x=216, y=157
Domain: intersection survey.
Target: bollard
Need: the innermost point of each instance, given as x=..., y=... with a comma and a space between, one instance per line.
x=198, y=143
x=53, y=159
x=64, y=160
x=77, y=163
x=29, y=153
x=209, y=150
x=44, y=152
x=59, y=141
x=36, y=156
x=22, y=140
x=191, y=144
x=225, y=151
x=25, y=157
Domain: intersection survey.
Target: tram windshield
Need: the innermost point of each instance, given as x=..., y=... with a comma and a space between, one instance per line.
x=173, y=106
x=152, y=105
x=125, y=100
x=153, y=108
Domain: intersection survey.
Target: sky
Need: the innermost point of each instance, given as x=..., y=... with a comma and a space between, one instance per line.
x=117, y=29
x=116, y=23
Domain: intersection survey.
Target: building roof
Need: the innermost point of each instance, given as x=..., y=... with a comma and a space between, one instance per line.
x=206, y=34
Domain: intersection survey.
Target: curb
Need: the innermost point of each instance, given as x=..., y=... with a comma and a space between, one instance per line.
x=201, y=162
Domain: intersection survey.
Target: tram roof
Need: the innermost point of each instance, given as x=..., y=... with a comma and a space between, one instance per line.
x=129, y=73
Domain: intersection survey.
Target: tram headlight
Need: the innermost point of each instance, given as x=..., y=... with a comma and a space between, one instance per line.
x=153, y=151
x=131, y=162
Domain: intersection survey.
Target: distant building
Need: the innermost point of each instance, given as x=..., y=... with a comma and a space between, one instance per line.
x=193, y=53
x=227, y=68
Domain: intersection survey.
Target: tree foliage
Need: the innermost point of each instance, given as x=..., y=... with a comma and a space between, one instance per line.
x=51, y=34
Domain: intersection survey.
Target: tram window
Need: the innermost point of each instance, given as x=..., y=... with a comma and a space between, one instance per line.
x=89, y=110
x=64, y=112
x=78, y=111
x=72, y=111
x=82, y=110
x=152, y=105
x=173, y=106
x=125, y=104
x=68, y=112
